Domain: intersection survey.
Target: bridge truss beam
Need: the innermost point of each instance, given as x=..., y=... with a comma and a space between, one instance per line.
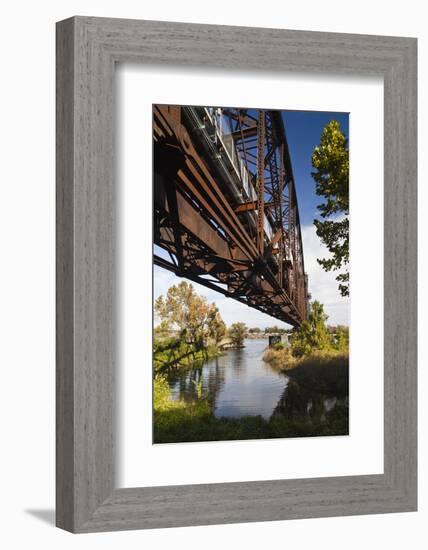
x=216, y=190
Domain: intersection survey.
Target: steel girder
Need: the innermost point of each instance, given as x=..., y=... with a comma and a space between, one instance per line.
x=225, y=206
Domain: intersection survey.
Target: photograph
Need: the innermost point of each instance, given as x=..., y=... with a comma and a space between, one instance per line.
x=250, y=273
x=210, y=275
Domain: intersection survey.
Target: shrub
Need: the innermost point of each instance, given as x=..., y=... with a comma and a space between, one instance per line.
x=279, y=358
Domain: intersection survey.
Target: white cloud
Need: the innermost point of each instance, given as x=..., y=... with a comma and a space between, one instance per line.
x=322, y=286
x=162, y=280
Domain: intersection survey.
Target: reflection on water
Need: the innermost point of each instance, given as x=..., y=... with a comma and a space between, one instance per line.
x=297, y=402
x=240, y=384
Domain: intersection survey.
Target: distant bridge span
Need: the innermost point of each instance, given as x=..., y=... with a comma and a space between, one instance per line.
x=225, y=206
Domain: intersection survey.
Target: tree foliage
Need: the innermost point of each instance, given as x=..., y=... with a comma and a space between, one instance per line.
x=341, y=338
x=313, y=334
x=216, y=325
x=184, y=310
x=275, y=330
x=331, y=163
x=237, y=333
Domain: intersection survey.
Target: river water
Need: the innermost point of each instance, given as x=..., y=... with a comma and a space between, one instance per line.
x=240, y=384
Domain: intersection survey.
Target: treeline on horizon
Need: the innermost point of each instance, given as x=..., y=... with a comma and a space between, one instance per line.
x=279, y=330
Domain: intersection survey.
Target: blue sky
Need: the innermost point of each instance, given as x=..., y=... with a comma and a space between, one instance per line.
x=303, y=130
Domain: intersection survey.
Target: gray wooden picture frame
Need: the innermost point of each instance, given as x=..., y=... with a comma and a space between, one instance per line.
x=87, y=50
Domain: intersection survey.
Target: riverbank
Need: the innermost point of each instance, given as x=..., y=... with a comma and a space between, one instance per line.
x=324, y=372
x=179, y=421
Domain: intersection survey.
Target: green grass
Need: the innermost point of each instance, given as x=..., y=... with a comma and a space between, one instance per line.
x=176, y=421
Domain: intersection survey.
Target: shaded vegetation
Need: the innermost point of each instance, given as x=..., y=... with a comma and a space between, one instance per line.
x=177, y=353
x=324, y=372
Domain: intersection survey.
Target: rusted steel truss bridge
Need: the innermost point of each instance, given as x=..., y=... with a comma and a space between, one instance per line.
x=225, y=206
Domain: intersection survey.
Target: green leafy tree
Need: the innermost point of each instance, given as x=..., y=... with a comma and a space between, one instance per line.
x=341, y=338
x=313, y=334
x=237, y=333
x=274, y=330
x=162, y=330
x=184, y=310
x=331, y=163
x=216, y=326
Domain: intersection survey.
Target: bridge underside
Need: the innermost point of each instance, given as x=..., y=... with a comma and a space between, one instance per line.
x=235, y=231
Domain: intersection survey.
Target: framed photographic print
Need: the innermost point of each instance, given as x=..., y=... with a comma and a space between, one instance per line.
x=236, y=274
x=227, y=217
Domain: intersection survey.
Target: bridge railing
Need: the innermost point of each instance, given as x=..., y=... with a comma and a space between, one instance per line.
x=219, y=122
